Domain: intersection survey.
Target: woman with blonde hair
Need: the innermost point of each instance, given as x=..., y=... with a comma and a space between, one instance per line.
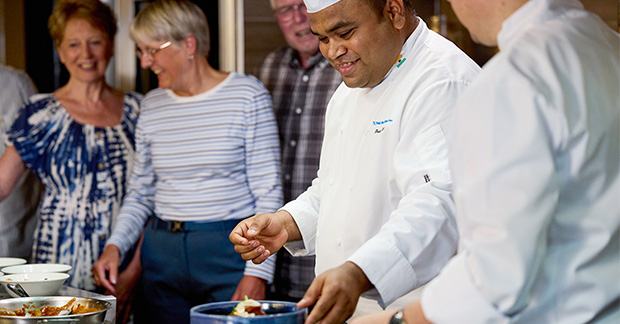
x=79, y=140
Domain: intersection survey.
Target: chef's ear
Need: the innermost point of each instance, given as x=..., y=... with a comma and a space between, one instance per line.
x=396, y=12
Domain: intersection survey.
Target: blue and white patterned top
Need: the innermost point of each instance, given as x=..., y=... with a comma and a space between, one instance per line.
x=85, y=170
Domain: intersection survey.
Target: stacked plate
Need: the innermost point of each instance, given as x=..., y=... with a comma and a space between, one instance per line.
x=35, y=279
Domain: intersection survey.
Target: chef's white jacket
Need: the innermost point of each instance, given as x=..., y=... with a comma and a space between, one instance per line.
x=382, y=197
x=536, y=166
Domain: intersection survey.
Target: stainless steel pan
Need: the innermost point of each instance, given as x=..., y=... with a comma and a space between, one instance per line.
x=57, y=301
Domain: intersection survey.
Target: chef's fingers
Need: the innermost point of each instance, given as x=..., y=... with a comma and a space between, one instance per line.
x=313, y=293
x=237, y=235
x=257, y=255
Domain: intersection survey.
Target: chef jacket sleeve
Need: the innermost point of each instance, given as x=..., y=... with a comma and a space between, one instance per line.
x=504, y=169
x=305, y=212
x=421, y=235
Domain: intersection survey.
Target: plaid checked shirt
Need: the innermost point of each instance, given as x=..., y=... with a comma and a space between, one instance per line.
x=300, y=97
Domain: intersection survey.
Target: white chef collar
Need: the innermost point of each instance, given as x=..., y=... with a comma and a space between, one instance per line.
x=318, y=5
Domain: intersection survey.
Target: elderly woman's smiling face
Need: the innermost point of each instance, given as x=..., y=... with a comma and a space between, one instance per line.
x=166, y=60
x=85, y=50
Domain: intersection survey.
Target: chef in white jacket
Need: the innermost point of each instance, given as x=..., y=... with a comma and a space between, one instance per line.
x=379, y=215
x=536, y=165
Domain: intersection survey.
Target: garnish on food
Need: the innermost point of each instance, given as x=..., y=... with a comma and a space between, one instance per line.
x=247, y=308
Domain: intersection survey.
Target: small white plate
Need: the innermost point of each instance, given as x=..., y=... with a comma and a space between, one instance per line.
x=5, y=262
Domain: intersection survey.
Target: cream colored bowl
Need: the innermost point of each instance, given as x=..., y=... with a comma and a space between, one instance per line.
x=5, y=262
x=37, y=268
x=35, y=284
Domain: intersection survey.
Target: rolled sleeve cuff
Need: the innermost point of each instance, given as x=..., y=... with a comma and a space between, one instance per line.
x=381, y=262
x=305, y=218
x=264, y=270
x=452, y=297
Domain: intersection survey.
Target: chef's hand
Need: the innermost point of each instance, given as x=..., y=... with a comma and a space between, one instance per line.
x=259, y=236
x=339, y=289
x=105, y=270
x=253, y=287
x=412, y=314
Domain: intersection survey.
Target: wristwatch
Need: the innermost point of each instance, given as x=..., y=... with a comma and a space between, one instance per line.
x=398, y=318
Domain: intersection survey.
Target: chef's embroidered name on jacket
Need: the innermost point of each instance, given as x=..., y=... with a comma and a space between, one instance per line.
x=382, y=122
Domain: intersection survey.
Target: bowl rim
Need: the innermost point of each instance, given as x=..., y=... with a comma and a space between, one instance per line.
x=12, y=268
x=196, y=309
x=55, y=276
x=17, y=260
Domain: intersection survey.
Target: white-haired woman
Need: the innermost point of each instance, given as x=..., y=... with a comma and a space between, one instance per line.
x=207, y=156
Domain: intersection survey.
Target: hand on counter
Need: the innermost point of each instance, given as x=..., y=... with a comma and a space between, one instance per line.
x=339, y=289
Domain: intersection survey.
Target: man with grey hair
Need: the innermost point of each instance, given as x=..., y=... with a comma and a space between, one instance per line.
x=18, y=210
x=379, y=214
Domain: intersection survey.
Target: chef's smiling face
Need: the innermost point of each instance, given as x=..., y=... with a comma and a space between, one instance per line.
x=293, y=21
x=357, y=42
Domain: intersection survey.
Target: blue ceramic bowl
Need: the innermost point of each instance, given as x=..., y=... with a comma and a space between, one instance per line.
x=278, y=312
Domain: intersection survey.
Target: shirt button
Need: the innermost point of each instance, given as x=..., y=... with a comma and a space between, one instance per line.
x=102, y=237
x=99, y=135
x=104, y=200
x=100, y=166
x=305, y=78
x=287, y=177
x=293, y=143
x=298, y=110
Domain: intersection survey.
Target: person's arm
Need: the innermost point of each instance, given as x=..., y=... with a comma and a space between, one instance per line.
x=137, y=206
x=11, y=170
x=126, y=284
x=507, y=193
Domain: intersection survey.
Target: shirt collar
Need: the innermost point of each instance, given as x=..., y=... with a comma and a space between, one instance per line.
x=292, y=58
x=533, y=12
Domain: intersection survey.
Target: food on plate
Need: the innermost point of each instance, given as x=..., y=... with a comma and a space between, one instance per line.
x=29, y=310
x=247, y=308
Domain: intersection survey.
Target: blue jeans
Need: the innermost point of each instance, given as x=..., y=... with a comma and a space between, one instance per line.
x=182, y=269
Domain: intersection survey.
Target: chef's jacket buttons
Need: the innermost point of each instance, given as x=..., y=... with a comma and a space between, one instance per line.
x=287, y=177
x=341, y=130
x=100, y=166
x=298, y=110
x=339, y=242
x=293, y=143
x=305, y=78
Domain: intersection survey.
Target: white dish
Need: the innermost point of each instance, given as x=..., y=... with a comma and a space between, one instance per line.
x=5, y=262
x=36, y=284
x=37, y=268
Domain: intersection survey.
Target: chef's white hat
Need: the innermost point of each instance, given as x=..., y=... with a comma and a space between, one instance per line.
x=318, y=5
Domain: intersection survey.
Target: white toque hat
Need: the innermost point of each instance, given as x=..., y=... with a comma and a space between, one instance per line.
x=318, y=5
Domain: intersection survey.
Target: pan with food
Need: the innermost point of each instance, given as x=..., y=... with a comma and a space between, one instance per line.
x=53, y=309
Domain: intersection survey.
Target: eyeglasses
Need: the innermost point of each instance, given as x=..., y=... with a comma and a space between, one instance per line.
x=286, y=13
x=151, y=51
